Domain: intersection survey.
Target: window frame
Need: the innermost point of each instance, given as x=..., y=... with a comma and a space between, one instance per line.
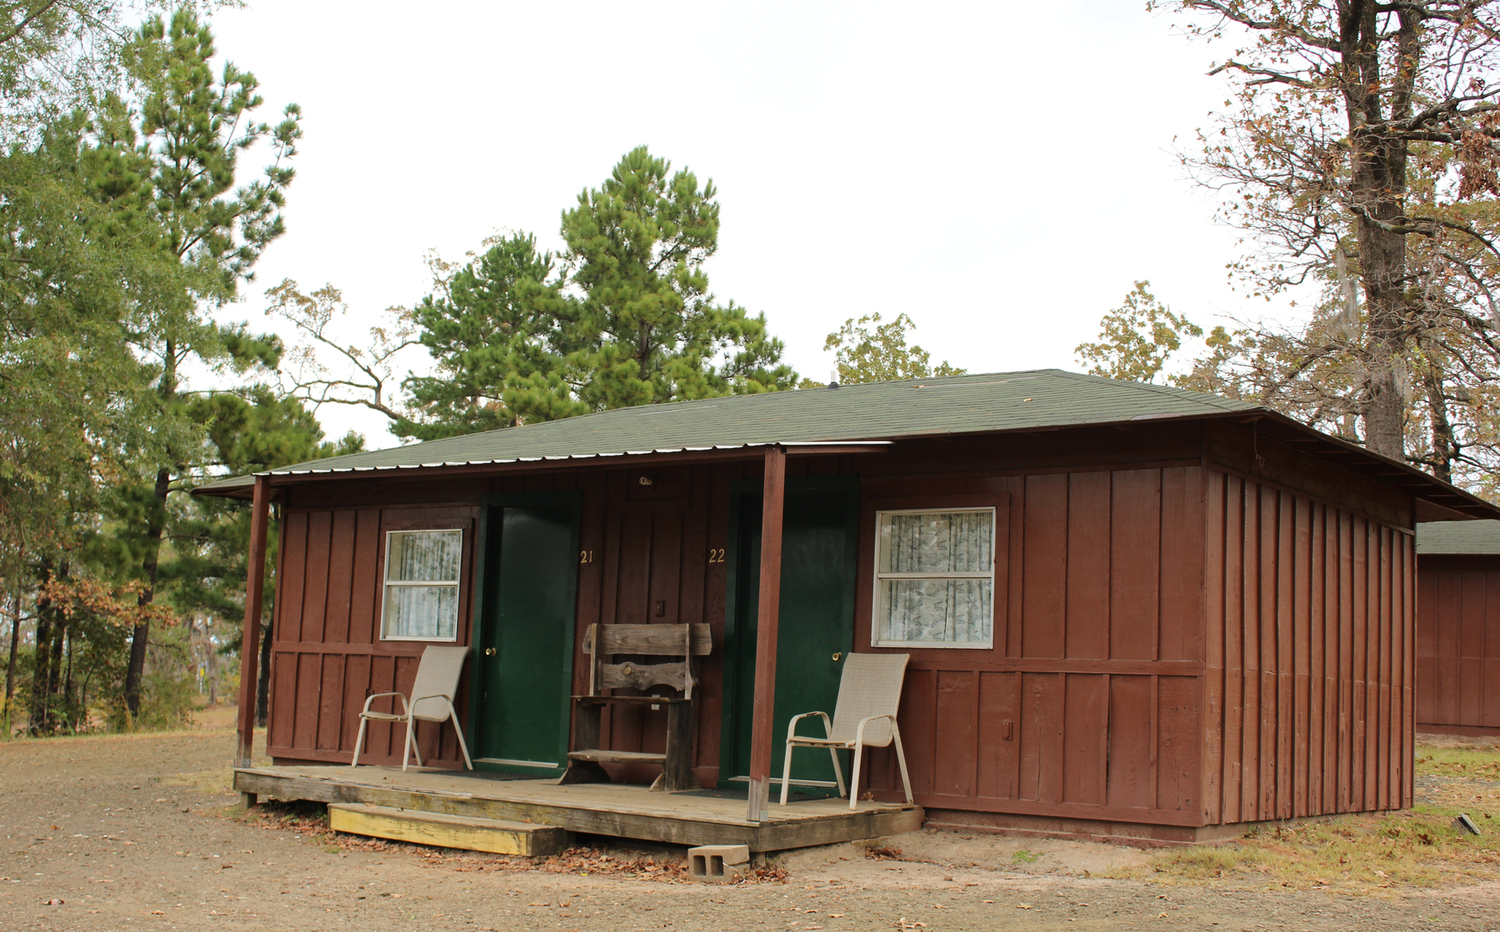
x=877, y=577
x=386, y=583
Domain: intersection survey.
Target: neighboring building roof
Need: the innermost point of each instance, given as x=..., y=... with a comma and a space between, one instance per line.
x=1467, y=538
x=878, y=411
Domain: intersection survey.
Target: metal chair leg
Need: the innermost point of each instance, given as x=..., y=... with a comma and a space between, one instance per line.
x=453, y=716
x=359, y=742
x=901, y=759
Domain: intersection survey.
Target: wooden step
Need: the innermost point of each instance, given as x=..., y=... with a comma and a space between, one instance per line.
x=594, y=755
x=447, y=831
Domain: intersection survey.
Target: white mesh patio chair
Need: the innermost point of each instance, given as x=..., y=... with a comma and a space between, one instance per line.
x=431, y=701
x=869, y=694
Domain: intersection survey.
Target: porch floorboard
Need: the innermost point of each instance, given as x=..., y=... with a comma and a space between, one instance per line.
x=611, y=809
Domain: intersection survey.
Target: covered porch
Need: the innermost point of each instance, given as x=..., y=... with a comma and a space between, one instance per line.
x=708, y=817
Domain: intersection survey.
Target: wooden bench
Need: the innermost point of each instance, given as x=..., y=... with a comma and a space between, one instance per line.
x=615, y=653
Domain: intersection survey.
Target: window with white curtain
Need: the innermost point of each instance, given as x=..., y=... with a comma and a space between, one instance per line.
x=934, y=578
x=421, y=585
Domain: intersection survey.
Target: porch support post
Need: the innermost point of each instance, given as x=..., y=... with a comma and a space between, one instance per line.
x=762, y=742
x=255, y=576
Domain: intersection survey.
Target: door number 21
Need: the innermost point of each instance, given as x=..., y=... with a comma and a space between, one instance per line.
x=585, y=556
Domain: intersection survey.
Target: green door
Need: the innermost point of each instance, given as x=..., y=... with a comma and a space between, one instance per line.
x=528, y=606
x=816, y=630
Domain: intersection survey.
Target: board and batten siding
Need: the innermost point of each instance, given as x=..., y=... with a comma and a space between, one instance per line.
x=326, y=651
x=1309, y=693
x=1089, y=704
x=1458, y=644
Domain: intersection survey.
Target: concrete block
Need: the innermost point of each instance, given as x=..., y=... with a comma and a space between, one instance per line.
x=718, y=863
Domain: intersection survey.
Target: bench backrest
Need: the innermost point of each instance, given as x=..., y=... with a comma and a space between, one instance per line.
x=682, y=643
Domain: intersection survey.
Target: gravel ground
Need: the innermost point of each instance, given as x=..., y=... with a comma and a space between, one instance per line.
x=141, y=832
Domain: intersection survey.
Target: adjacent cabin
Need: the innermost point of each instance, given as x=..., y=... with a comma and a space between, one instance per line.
x=1131, y=610
x=1458, y=628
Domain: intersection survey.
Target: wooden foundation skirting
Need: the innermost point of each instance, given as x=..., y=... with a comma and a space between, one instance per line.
x=1462, y=731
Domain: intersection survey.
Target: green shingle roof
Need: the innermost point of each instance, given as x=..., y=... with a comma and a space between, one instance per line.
x=1459, y=537
x=879, y=411
x=875, y=411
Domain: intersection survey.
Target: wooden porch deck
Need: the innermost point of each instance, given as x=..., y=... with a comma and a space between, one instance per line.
x=612, y=809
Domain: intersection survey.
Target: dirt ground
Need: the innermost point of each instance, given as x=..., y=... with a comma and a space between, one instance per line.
x=143, y=832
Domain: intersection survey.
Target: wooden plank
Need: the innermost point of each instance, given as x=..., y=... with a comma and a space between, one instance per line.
x=955, y=733
x=1285, y=664
x=1372, y=665
x=448, y=831
x=291, y=575
x=659, y=639
x=607, y=809
x=1468, y=663
x=1317, y=628
x=1085, y=739
x=918, y=712
x=1213, y=640
x=1182, y=565
x=1234, y=640
x=356, y=687
x=255, y=574
x=380, y=736
x=1250, y=734
x=1301, y=644
x=1346, y=663
x=999, y=719
x=1135, y=564
x=1389, y=737
x=283, y=708
x=1270, y=529
x=1045, y=582
x=340, y=577
x=1087, y=560
x=1129, y=782
x=1041, y=736
x=1409, y=601
x=604, y=756
x=1332, y=658
x=309, y=673
x=1179, y=743
x=315, y=585
x=773, y=491
x=330, y=702
x=1490, y=708
x=364, y=585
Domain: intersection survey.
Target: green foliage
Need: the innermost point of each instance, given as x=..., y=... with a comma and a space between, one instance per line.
x=1136, y=338
x=500, y=356
x=622, y=317
x=865, y=350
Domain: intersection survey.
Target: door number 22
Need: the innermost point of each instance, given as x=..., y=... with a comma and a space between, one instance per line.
x=716, y=555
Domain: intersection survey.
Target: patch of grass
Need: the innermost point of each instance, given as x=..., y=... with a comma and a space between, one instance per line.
x=208, y=782
x=1025, y=857
x=1462, y=761
x=1365, y=853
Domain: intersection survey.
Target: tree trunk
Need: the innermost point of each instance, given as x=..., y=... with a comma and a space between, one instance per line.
x=1378, y=195
x=43, y=712
x=263, y=682
x=1444, y=446
x=156, y=526
x=15, y=644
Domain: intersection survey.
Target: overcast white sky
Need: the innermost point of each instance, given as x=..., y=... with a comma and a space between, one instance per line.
x=1002, y=178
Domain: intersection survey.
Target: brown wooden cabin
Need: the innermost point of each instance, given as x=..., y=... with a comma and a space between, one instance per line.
x=1175, y=613
x=1458, y=628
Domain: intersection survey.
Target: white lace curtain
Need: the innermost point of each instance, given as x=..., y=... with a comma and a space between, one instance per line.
x=936, y=577
x=421, y=591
